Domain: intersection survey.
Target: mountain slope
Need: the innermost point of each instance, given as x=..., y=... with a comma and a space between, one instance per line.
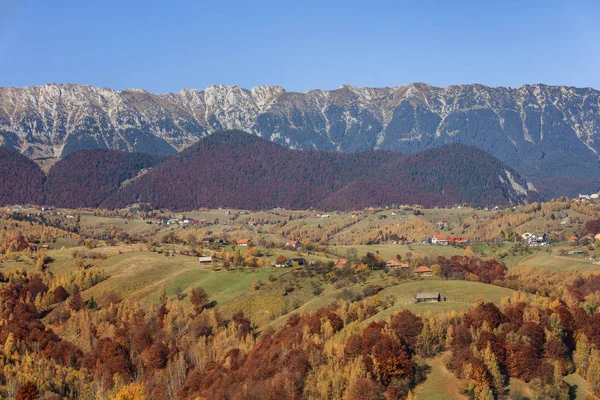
x=21, y=180
x=541, y=131
x=234, y=169
x=86, y=178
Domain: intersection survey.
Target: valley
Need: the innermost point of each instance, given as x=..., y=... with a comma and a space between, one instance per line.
x=130, y=259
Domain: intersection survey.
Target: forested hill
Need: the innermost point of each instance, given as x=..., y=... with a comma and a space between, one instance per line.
x=88, y=177
x=234, y=169
x=21, y=180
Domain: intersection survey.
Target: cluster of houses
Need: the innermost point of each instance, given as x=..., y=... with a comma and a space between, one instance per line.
x=583, y=240
x=441, y=240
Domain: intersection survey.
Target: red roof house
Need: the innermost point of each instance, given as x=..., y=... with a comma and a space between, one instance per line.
x=423, y=270
x=293, y=243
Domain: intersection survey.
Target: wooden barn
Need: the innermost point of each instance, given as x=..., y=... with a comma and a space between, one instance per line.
x=429, y=297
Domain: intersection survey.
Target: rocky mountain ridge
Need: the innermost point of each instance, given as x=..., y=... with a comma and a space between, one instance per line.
x=541, y=131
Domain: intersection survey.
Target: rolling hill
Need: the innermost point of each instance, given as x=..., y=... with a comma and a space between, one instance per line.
x=240, y=170
x=234, y=169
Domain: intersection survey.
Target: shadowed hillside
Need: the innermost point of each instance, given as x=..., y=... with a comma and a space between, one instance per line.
x=234, y=169
x=88, y=177
x=21, y=180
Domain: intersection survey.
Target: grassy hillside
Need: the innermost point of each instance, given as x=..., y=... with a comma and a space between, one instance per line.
x=460, y=295
x=440, y=384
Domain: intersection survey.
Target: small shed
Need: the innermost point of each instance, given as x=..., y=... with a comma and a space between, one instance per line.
x=205, y=260
x=428, y=297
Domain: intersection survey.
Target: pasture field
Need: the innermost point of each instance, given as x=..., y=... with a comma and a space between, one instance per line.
x=556, y=264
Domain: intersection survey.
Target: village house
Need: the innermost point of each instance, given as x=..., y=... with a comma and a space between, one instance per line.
x=243, y=242
x=206, y=260
x=429, y=297
x=536, y=240
x=395, y=264
x=459, y=241
x=423, y=270
x=294, y=244
x=341, y=263
x=441, y=240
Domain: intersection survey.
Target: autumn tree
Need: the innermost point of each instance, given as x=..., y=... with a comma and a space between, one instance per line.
x=162, y=296
x=27, y=391
x=59, y=294
x=365, y=389
x=76, y=302
x=198, y=297
x=133, y=391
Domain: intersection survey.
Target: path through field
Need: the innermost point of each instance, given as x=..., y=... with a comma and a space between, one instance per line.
x=440, y=384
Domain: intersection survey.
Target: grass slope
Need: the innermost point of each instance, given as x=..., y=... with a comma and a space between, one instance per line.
x=440, y=384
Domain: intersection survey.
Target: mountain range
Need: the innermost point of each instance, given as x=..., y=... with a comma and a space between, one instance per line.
x=549, y=134
x=240, y=170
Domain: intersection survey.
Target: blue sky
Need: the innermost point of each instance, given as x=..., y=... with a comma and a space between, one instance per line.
x=300, y=45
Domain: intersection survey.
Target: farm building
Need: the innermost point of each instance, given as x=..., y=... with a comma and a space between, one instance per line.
x=429, y=297
x=243, y=242
x=205, y=260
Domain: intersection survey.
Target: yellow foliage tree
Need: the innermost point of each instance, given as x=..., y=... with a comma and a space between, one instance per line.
x=133, y=391
x=468, y=252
